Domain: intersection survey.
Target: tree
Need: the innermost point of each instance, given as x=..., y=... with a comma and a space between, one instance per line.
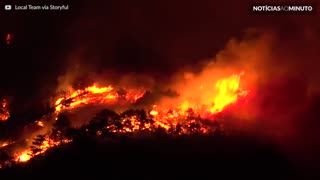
x=37, y=144
x=194, y=128
x=178, y=129
x=160, y=131
x=142, y=118
x=60, y=127
x=106, y=121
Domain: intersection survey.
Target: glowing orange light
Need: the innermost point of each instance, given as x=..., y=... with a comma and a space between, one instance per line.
x=4, y=144
x=40, y=123
x=96, y=90
x=24, y=156
x=227, y=92
x=154, y=113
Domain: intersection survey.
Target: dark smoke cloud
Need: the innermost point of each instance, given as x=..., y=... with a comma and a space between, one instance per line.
x=154, y=38
x=161, y=37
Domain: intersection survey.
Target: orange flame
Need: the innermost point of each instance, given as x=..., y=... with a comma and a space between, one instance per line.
x=228, y=92
x=24, y=156
x=78, y=97
x=40, y=123
x=154, y=112
x=208, y=99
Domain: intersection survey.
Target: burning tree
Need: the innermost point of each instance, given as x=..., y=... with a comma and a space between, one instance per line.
x=105, y=123
x=37, y=145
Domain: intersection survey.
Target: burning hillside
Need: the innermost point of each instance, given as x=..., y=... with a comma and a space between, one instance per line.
x=189, y=117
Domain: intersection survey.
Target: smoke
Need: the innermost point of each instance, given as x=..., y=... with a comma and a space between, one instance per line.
x=141, y=47
x=280, y=74
x=278, y=77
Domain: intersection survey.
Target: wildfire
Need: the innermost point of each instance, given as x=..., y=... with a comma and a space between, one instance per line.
x=154, y=112
x=24, y=156
x=96, y=90
x=46, y=144
x=182, y=117
x=40, y=123
x=86, y=96
x=205, y=100
x=213, y=99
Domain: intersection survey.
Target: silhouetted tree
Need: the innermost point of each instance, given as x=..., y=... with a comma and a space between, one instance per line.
x=160, y=131
x=36, y=144
x=60, y=127
x=140, y=115
x=143, y=119
x=106, y=121
x=194, y=128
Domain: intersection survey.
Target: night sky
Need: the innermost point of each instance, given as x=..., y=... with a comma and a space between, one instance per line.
x=148, y=37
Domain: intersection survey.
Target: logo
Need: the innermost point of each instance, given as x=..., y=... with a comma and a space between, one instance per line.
x=7, y=7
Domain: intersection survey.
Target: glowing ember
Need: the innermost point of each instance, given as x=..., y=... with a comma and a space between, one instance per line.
x=90, y=95
x=154, y=113
x=228, y=92
x=181, y=118
x=40, y=123
x=4, y=144
x=24, y=156
x=96, y=90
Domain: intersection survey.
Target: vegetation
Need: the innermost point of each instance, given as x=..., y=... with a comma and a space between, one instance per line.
x=112, y=146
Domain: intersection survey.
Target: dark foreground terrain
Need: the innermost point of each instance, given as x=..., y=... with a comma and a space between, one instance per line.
x=159, y=158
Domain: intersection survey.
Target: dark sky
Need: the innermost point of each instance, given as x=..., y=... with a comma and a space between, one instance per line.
x=153, y=37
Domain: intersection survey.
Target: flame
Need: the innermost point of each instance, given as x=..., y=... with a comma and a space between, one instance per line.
x=154, y=112
x=96, y=90
x=24, y=156
x=4, y=144
x=228, y=92
x=209, y=99
x=40, y=123
x=205, y=100
x=90, y=95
